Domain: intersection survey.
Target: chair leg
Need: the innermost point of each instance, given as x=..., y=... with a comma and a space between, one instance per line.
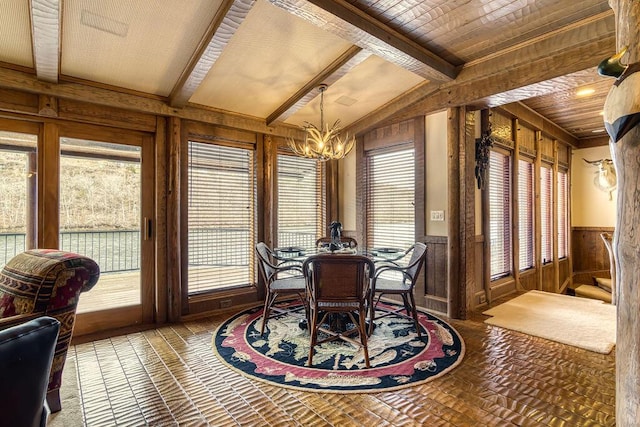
x=314, y=334
x=372, y=311
x=415, y=314
x=266, y=311
x=53, y=400
x=363, y=337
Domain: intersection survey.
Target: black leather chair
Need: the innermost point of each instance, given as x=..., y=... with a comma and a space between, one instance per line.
x=26, y=353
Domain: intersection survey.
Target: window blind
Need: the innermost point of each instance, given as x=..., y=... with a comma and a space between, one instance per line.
x=500, y=214
x=301, y=201
x=525, y=215
x=546, y=210
x=563, y=220
x=390, y=199
x=221, y=217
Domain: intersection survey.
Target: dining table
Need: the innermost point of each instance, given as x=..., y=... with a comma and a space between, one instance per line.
x=299, y=254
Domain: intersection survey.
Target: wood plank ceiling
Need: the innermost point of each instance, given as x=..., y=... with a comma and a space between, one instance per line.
x=264, y=59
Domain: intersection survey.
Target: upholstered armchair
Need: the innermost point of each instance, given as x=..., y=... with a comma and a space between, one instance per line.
x=26, y=353
x=46, y=282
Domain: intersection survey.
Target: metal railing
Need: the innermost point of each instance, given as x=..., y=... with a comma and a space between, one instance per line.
x=119, y=250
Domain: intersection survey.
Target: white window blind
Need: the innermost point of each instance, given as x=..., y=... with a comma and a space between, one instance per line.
x=525, y=215
x=301, y=201
x=390, y=199
x=546, y=212
x=500, y=214
x=221, y=217
x=563, y=220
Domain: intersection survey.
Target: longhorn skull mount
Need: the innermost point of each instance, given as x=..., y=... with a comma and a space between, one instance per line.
x=606, y=179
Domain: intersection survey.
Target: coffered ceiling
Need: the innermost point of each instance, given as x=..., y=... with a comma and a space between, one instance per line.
x=264, y=59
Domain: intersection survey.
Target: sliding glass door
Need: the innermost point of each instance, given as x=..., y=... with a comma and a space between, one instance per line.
x=18, y=162
x=105, y=211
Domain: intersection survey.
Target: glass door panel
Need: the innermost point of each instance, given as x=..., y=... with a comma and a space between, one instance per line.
x=100, y=217
x=18, y=163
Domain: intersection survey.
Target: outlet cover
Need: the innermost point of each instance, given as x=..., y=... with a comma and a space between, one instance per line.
x=437, y=215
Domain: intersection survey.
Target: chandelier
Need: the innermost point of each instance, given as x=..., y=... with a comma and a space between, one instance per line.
x=324, y=142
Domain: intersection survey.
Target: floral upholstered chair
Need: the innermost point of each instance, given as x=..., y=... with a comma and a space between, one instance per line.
x=46, y=282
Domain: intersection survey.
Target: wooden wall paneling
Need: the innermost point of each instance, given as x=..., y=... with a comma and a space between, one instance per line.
x=547, y=148
x=564, y=274
x=588, y=251
x=47, y=106
x=267, y=187
x=332, y=185
x=436, y=276
x=548, y=278
x=526, y=138
x=361, y=189
x=554, y=214
x=175, y=304
x=519, y=131
x=108, y=116
x=537, y=220
x=160, y=212
x=455, y=255
x=19, y=102
x=48, y=186
x=501, y=125
x=419, y=137
x=479, y=293
x=468, y=205
x=529, y=281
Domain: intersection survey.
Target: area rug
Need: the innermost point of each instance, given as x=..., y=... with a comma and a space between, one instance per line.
x=579, y=322
x=397, y=356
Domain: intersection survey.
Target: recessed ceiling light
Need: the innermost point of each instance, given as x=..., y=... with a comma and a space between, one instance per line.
x=597, y=130
x=601, y=113
x=103, y=23
x=586, y=91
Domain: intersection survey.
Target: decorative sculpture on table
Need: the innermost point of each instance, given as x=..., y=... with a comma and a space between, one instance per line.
x=336, y=232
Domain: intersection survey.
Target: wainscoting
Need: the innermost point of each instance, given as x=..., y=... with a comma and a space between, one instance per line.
x=590, y=256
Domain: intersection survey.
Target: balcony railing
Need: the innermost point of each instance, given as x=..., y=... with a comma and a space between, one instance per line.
x=119, y=250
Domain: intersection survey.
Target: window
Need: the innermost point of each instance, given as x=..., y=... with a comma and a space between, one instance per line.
x=563, y=220
x=17, y=221
x=390, y=199
x=525, y=215
x=500, y=214
x=301, y=201
x=221, y=217
x=546, y=212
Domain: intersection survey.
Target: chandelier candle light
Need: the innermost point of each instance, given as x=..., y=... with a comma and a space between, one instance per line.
x=323, y=143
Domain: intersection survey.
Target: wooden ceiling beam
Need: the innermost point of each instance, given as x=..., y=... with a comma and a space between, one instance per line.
x=349, y=23
x=334, y=71
x=225, y=23
x=531, y=69
x=45, y=35
x=25, y=82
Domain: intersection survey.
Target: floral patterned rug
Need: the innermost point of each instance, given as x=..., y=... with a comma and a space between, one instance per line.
x=398, y=357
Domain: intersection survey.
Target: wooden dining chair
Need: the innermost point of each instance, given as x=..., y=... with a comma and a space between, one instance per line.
x=402, y=286
x=347, y=242
x=338, y=284
x=280, y=279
